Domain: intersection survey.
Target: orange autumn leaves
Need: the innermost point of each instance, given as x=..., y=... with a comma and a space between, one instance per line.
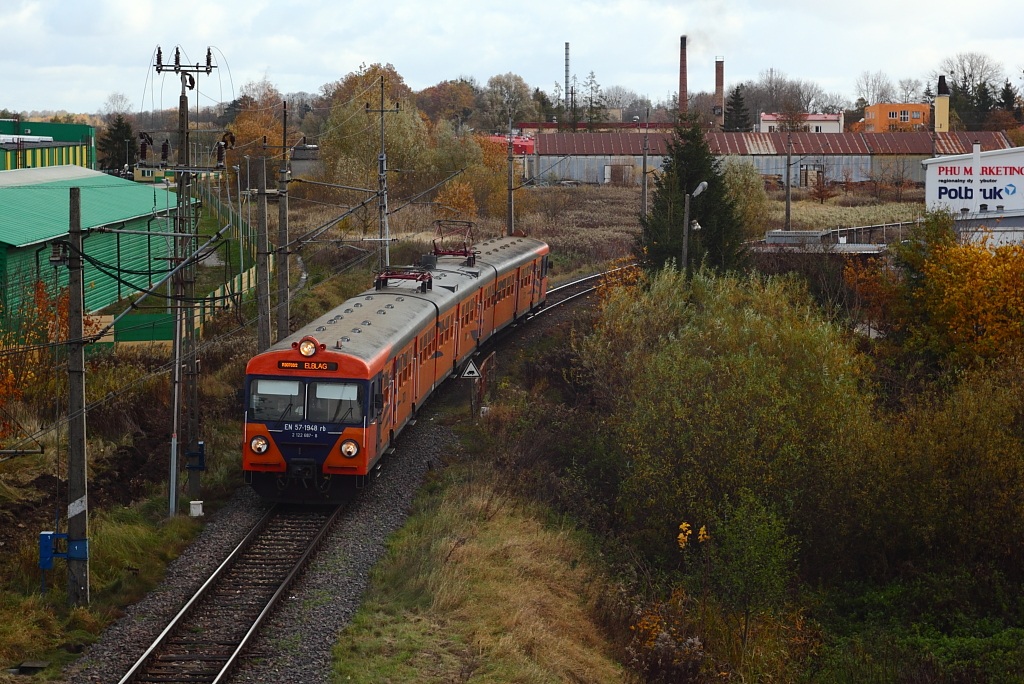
x=964, y=300
x=975, y=294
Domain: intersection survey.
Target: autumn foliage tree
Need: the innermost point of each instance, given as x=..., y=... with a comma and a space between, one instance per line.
x=822, y=190
x=259, y=118
x=974, y=294
x=456, y=201
x=448, y=100
x=947, y=302
x=42, y=319
x=351, y=144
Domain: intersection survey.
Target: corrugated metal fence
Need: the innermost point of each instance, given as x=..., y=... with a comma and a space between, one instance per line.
x=158, y=328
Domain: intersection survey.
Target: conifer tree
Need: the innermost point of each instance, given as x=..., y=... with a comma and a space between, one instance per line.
x=718, y=243
x=111, y=148
x=737, y=118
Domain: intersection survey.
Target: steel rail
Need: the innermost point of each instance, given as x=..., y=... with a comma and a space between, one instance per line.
x=198, y=598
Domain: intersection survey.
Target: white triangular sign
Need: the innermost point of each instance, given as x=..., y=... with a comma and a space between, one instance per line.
x=471, y=371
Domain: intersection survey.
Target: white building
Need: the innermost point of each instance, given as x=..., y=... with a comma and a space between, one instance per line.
x=982, y=189
x=811, y=123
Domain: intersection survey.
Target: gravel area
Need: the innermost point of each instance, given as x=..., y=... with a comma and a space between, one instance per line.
x=296, y=641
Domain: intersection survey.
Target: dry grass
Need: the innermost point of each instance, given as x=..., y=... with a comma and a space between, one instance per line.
x=837, y=212
x=585, y=225
x=477, y=586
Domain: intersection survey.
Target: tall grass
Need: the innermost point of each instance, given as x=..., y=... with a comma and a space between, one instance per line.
x=129, y=552
x=839, y=212
x=477, y=586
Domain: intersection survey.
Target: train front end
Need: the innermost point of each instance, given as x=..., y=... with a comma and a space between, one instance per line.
x=309, y=424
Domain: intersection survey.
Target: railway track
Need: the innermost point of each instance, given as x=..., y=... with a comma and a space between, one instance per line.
x=581, y=287
x=203, y=642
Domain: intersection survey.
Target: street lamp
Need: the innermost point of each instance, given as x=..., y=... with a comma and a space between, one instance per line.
x=686, y=221
x=127, y=155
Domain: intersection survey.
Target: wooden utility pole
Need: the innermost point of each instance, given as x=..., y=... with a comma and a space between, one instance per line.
x=262, y=267
x=78, y=494
x=282, y=235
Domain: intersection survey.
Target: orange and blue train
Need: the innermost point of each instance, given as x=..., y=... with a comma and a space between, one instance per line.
x=325, y=404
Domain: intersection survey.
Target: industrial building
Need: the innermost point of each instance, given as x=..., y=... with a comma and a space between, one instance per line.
x=34, y=144
x=618, y=157
x=36, y=214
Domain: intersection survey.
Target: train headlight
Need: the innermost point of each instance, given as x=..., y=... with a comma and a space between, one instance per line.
x=349, y=448
x=259, y=444
x=307, y=347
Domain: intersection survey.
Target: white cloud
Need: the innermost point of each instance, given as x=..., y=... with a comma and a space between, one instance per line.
x=71, y=55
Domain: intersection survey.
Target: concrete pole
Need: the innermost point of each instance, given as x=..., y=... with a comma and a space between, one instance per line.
x=643, y=183
x=282, y=237
x=78, y=506
x=789, y=180
x=262, y=267
x=509, y=226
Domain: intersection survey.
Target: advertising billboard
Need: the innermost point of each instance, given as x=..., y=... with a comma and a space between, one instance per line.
x=978, y=182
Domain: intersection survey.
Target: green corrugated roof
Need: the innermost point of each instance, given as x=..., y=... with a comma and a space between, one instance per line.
x=35, y=204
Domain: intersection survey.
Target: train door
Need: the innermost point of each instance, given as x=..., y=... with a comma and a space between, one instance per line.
x=388, y=411
x=415, y=376
x=377, y=412
x=521, y=283
x=539, y=279
x=480, y=316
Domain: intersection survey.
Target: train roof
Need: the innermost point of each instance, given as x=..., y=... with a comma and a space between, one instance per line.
x=379, y=320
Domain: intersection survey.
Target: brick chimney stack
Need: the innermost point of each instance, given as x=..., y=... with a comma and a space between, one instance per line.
x=682, y=76
x=720, y=92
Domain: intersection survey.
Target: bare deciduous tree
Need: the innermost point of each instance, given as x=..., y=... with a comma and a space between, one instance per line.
x=833, y=103
x=969, y=69
x=910, y=89
x=875, y=87
x=116, y=103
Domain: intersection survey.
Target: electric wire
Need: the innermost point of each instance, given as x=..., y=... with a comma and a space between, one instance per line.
x=168, y=366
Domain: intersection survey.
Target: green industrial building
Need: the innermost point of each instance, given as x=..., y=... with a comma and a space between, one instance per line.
x=32, y=144
x=35, y=212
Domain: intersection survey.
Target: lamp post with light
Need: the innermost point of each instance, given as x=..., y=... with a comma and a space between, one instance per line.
x=686, y=222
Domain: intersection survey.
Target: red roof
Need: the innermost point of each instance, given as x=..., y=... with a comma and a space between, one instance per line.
x=520, y=144
x=774, y=144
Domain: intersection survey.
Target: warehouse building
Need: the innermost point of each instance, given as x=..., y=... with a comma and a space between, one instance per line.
x=33, y=144
x=36, y=214
x=618, y=156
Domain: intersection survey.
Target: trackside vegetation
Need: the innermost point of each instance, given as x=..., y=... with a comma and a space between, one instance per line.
x=728, y=445
x=480, y=586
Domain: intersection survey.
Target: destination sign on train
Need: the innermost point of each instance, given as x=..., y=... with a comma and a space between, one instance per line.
x=308, y=365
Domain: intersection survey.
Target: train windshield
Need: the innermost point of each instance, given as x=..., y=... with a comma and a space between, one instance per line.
x=294, y=400
x=334, y=402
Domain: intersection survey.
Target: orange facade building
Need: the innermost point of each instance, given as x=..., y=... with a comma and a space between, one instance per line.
x=886, y=117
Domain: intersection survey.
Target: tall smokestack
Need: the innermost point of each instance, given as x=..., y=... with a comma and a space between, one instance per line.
x=682, y=76
x=720, y=92
x=567, y=76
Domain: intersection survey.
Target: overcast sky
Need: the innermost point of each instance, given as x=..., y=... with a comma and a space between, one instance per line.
x=72, y=55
